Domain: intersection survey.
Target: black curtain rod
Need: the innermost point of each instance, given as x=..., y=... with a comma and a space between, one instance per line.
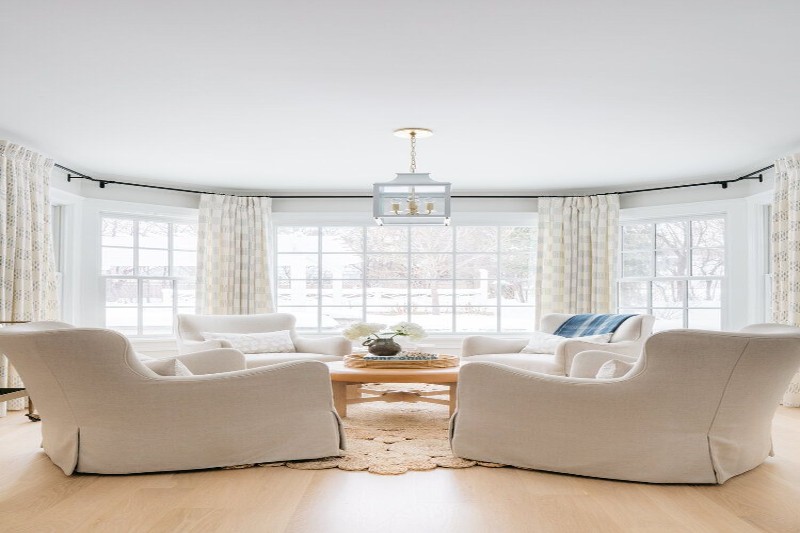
x=756, y=174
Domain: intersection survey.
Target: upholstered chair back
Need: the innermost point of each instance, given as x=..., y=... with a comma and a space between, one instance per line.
x=637, y=327
x=191, y=327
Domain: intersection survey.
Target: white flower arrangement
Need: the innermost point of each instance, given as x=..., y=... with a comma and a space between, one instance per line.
x=371, y=331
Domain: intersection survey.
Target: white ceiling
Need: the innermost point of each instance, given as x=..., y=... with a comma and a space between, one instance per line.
x=304, y=95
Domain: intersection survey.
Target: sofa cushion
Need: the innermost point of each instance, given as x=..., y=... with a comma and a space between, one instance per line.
x=535, y=362
x=169, y=366
x=264, y=359
x=270, y=341
x=547, y=343
x=613, y=369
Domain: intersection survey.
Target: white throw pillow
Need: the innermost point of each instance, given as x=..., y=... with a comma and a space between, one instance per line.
x=269, y=342
x=613, y=369
x=548, y=343
x=167, y=367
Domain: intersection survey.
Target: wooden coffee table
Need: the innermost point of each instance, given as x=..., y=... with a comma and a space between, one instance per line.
x=342, y=376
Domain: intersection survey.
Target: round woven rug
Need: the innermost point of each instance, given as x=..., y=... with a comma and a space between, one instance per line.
x=393, y=438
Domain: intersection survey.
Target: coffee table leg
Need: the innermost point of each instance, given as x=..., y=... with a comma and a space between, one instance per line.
x=453, y=396
x=340, y=397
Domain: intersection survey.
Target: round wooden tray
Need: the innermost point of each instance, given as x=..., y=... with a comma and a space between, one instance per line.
x=444, y=361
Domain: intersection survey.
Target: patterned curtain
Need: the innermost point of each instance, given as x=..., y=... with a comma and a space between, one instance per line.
x=27, y=264
x=786, y=254
x=577, y=254
x=233, y=255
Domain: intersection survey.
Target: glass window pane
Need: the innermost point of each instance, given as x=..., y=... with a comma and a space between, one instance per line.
x=432, y=239
x=186, y=310
x=298, y=239
x=633, y=293
x=476, y=319
x=518, y=318
x=153, y=234
x=476, y=239
x=387, y=315
x=476, y=266
x=387, y=266
x=184, y=264
x=153, y=262
x=517, y=266
x=705, y=319
x=307, y=317
x=298, y=292
x=156, y=292
x=431, y=266
x=433, y=319
x=475, y=292
x=671, y=235
x=705, y=293
x=517, y=239
x=124, y=292
x=431, y=293
x=157, y=321
x=117, y=232
x=387, y=292
x=637, y=237
x=637, y=264
x=118, y=261
x=516, y=291
x=342, y=239
x=708, y=262
x=343, y=292
x=671, y=263
x=184, y=236
x=298, y=266
x=342, y=266
x=186, y=294
x=669, y=293
x=708, y=233
x=385, y=239
x=123, y=319
x=335, y=319
x=667, y=319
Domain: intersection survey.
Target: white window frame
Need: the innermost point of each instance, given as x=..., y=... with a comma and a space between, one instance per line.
x=341, y=219
x=736, y=287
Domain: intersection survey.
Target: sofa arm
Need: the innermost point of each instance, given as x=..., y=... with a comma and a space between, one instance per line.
x=572, y=347
x=326, y=345
x=586, y=364
x=185, y=347
x=214, y=361
x=480, y=344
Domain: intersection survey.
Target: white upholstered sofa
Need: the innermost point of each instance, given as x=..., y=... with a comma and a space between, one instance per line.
x=190, y=330
x=696, y=407
x=103, y=411
x=627, y=340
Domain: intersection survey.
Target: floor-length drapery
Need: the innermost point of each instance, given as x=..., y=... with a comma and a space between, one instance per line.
x=577, y=254
x=786, y=254
x=234, y=255
x=28, y=289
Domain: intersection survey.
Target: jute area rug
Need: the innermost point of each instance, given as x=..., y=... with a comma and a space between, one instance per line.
x=393, y=438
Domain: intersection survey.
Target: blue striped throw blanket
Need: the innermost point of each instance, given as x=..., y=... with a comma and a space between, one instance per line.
x=590, y=324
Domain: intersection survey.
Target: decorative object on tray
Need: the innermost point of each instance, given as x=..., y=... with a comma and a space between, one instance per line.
x=379, y=339
x=440, y=361
x=403, y=356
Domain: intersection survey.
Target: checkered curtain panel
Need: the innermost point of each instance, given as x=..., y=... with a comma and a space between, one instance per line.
x=577, y=254
x=233, y=255
x=28, y=289
x=786, y=254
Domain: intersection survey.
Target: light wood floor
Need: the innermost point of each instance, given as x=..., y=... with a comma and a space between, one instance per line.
x=37, y=496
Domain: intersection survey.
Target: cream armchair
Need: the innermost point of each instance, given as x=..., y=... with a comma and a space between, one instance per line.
x=103, y=411
x=190, y=329
x=627, y=341
x=697, y=407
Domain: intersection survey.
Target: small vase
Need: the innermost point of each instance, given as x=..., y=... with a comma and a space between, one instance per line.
x=384, y=347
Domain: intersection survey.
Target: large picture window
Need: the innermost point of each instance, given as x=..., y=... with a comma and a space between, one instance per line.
x=674, y=270
x=458, y=279
x=148, y=272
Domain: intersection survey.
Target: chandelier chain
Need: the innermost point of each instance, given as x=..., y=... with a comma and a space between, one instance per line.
x=413, y=137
